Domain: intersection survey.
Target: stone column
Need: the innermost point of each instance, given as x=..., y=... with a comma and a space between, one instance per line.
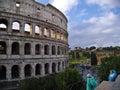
x=43, y=70
x=9, y=43
x=8, y=72
x=56, y=69
x=33, y=29
x=50, y=68
x=22, y=49
x=22, y=27
x=32, y=48
x=22, y=75
x=33, y=70
x=9, y=26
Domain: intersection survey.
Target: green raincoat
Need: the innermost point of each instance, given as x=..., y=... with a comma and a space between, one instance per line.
x=91, y=83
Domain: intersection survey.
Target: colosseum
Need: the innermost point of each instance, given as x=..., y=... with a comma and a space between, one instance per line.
x=33, y=40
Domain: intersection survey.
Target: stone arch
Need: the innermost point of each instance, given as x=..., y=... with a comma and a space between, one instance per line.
x=37, y=49
x=27, y=70
x=16, y=25
x=3, y=47
x=27, y=48
x=15, y=71
x=53, y=50
x=38, y=69
x=47, y=66
x=15, y=48
x=2, y=72
x=46, y=49
x=3, y=24
x=53, y=67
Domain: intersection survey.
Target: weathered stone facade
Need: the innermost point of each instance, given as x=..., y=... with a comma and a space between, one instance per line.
x=33, y=40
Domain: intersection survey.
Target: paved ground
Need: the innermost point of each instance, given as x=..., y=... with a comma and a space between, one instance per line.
x=105, y=85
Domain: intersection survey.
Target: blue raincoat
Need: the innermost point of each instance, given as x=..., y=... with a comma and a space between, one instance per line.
x=91, y=83
x=112, y=76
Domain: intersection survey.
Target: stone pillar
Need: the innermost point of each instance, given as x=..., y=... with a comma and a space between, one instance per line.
x=50, y=49
x=8, y=72
x=32, y=48
x=33, y=70
x=22, y=75
x=9, y=48
x=22, y=49
x=9, y=26
x=56, y=69
x=22, y=28
x=43, y=70
x=33, y=29
x=50, y=68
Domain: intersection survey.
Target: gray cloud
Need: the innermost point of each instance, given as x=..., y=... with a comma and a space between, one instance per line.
x=98, y=31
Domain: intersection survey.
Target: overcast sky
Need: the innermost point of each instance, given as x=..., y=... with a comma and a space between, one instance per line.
x=91, y=22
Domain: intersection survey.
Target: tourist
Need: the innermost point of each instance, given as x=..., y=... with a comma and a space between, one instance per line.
x=91, y=82
x=112, y=76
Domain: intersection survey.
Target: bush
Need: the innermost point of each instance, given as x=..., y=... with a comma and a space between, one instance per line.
x=108, y=63
x=70, y=79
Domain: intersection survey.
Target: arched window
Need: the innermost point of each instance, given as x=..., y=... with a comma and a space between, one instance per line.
x=38, y=69
x=53, y=50
x=28, y=29
x=2, y=72
x=15, y=48
x=27, y=48
x=53, y=68
x=3, y=47
x=46, y=32
x=3, y=24
x=37, y=49
x=27, y=70
x=47, y=68
x=58, y=66
x=46, y=50
x=16, y=26
x=15, y=71
x=37, y=30
x=58, y=50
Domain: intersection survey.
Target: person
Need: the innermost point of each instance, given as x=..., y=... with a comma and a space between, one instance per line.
x=112, y=76
x=91, y=82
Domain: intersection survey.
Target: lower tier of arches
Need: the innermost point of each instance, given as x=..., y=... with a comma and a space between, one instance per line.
x=21, y=70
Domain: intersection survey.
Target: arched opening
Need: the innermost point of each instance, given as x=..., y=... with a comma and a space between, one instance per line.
x=37, y=49
x=47, y=68
x=16, y=26
x=46, y=32
x=15, y=71
x=3, y=47
x=2, y=72
x=37, y=30
x=62, y=51
x=58, y=50
x=58, y=66
x=3, y=24
x=53, y=68
x=27, y=48
x=53, y=50
x=27, y=70
x=28, y=29
x=15, y=48
x=46, y=50
x=38, y=69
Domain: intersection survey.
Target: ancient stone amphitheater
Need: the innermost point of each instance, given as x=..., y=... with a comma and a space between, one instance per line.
x=33, y=40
